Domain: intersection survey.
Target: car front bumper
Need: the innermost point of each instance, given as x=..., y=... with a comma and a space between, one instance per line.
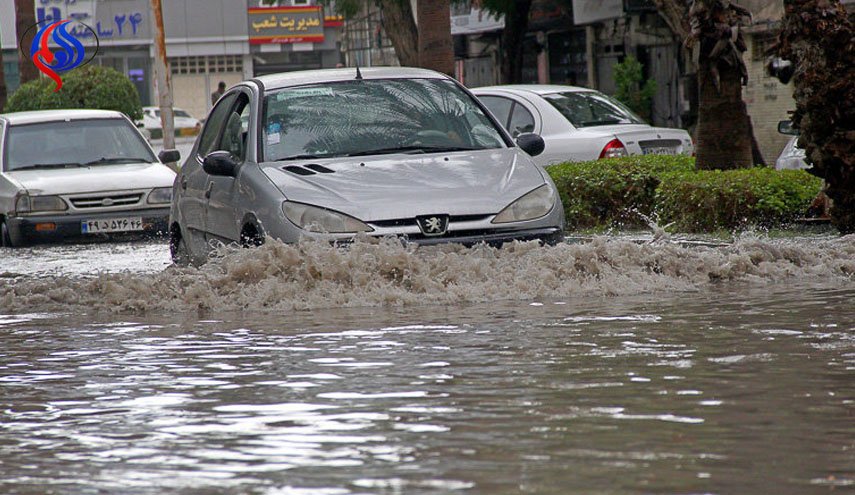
x=36, y=228
x=549, y=235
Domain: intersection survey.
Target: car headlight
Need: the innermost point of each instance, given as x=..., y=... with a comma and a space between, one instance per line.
x=314, y=219
x=160, y=195
x=34, y=204
x=534, y=204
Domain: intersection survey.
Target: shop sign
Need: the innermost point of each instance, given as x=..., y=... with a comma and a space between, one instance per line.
x=588, y=11
x=471, y=20
x=285, y=25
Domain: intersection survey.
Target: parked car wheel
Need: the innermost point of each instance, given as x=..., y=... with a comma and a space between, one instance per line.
x=5, y=238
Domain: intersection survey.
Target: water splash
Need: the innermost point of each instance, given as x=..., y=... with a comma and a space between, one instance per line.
x=279, y=277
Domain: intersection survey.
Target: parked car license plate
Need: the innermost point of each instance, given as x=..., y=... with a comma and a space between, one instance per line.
x=129, y=224
x=660, y=150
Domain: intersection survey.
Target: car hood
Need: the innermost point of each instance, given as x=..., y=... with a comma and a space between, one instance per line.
x=405, y=185
x=93, y=179
x=633, y=133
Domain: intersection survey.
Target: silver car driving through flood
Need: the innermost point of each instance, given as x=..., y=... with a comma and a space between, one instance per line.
x=336, y=153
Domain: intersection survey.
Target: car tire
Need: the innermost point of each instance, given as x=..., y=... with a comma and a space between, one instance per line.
x=178, y=249
x=5, y=237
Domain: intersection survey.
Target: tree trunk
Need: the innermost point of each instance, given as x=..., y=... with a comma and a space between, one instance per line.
x=3, y=89
x=435, y=48
x=723, y=134
x=400, y=27
x=516, y=24
x=819, y=37
x=25, y=19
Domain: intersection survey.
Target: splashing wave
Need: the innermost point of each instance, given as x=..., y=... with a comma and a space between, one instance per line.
x=310, y=275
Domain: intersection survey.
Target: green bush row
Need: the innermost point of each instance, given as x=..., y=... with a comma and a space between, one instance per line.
x=90, y=86
x=626, y=192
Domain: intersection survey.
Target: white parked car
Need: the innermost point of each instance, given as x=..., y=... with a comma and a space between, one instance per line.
x=185, y=124
x=72, y=174
x=579, y=124
x=792, y=157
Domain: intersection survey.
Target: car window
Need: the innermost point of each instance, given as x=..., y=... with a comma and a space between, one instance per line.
x=588, y=108
x=77, y=142
x=499, y=107
x=521, y=121
x=373, y=115
x=214, y=125
x=234, y=136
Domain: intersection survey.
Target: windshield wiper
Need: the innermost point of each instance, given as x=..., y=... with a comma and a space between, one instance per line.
x=117, y=159
x=411, y=149
x=50, y=165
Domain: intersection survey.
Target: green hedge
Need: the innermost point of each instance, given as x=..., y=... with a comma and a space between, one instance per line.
x=625, y=192
x=91, y=86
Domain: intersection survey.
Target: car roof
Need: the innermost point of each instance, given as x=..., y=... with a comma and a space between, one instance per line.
x=39, y=116
x=298, y=78
x=540, y=89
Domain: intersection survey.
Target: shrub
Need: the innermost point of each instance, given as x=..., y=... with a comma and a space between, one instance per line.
x=632, y=90
x=628, y=191
x=707, y=200
x=605, y=192
x=91, y=86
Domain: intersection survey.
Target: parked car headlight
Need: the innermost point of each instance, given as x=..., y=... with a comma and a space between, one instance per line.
x=35, y=204
x=160, y=195
x=314, y=219
x=534, y=204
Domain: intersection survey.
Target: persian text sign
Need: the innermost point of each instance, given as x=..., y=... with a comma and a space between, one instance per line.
x=285, y=25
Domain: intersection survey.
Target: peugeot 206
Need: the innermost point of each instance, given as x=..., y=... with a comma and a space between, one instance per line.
x=332, y=154
x=79, y=174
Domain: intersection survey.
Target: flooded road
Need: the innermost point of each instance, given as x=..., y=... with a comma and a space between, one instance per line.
x=603, y=367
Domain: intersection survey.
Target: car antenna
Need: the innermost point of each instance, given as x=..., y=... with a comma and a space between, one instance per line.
x=358, y=73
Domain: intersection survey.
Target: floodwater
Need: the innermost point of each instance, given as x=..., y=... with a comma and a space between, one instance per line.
x=607, y=367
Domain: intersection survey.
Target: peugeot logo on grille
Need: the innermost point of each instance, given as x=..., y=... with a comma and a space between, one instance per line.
x=433, y=225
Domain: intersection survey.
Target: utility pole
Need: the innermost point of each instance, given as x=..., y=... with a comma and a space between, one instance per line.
x=164, y=81
x=25, y=20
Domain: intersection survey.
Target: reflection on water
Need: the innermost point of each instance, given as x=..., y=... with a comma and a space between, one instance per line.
x=728, y=390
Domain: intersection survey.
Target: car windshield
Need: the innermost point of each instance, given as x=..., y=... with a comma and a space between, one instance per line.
x=74, y=143
x=364, y=117
x=587, y=109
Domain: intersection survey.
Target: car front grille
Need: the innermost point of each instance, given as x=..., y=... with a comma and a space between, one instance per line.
x=410, y=222
x=106, y=201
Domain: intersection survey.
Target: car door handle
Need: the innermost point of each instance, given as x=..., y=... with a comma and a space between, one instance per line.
x=208, y=190
x=184, y=183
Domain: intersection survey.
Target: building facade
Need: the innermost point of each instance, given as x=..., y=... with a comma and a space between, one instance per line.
x=207, y=41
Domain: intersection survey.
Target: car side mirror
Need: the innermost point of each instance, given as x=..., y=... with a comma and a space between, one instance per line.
x=169, y=156
x=220, y=163
x=531, y=143
x=786, y=127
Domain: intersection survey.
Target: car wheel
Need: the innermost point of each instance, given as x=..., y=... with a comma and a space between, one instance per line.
x=178, y=249
x=5, y=237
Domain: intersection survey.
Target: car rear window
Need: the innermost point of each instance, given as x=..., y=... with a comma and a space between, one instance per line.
x=589, y=108
x=74, y=143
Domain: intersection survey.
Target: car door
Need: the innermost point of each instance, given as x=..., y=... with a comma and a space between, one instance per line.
x=223, y=209
x=514, y=114
x=193, y=180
